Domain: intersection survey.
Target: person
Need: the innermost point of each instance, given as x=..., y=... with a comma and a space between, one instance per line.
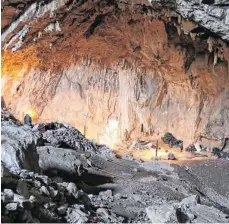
x=28, y=120
x=171, y=156
x=179, y=145
x=58, y=125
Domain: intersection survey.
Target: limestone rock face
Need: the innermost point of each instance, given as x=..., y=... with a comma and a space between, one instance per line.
x=210, y=14
x=213, y=16
x=120, y=70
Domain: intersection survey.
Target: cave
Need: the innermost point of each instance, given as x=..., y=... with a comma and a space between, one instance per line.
x=115, y=111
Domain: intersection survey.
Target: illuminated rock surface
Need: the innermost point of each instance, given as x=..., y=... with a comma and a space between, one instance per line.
x=119, y=68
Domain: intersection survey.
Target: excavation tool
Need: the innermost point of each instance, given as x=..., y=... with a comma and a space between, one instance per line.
x=87, y=116
x=110, y=173
x=156, y=157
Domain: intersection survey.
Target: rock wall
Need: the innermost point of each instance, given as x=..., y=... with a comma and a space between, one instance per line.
x=213, y=15
x=119, y=71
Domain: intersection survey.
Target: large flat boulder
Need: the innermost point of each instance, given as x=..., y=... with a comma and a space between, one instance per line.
x=65, y=160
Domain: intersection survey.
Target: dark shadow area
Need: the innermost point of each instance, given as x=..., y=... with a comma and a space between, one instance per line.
x=181, y=217
x=94, y=180
x=208, y=2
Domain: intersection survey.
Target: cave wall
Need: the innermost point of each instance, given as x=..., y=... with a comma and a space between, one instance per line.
x=141, y=72
x=129, y=96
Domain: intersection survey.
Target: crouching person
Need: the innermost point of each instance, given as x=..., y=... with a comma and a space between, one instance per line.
x=28, y=120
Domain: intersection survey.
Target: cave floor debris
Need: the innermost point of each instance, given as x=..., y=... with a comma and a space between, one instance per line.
x=79, y=181
x=148, y=153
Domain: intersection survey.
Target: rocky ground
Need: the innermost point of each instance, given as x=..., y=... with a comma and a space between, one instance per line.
x=134, y=71
x=51, y=173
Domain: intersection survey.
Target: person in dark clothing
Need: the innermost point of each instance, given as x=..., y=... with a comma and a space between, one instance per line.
x=51, y=126
x=28, y=120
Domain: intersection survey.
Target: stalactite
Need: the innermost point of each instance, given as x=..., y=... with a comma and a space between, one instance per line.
x=215, y=56
x=210, y=42
x=193, y=36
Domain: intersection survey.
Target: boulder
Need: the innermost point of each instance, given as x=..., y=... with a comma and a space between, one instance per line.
x=5, y=171
x=66, y=160
x=162, y=214
x=103, y=213
x=191, y=148
x=105, y=195
x=44, y=191
x=62, y=209
x=198, y=147
x=18, y=149
x=172, y=141
x=12, y=206
x=72, y=190
x=7, y=196
x=220, y=153
x=22, y=188
x=189, y=210
x=75, y=215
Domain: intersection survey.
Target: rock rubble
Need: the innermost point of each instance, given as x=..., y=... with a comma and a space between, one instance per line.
x=36, y=198
x=59, y=176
